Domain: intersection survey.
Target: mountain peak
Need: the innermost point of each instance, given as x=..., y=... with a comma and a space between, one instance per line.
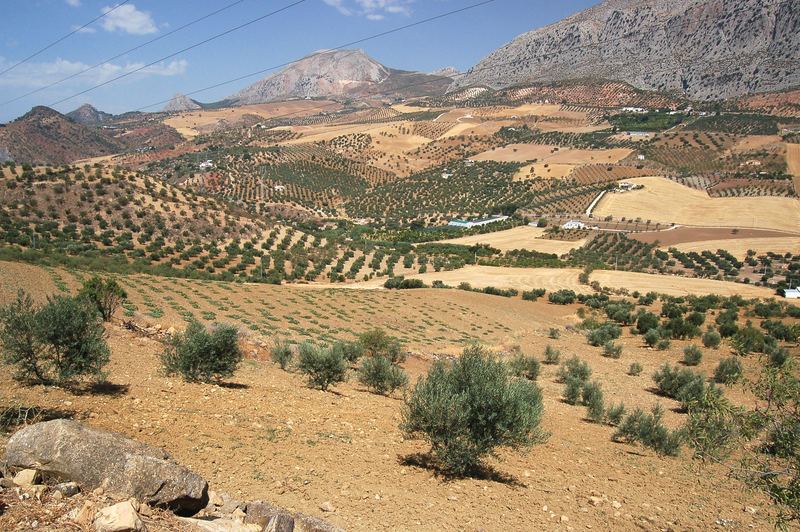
x=89, y=115
x=181, y=102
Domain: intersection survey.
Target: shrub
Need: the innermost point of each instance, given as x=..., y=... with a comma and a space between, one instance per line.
x=614, y=414
x=551, y=355
x=652, y=337
x=467, y=409
x=350, y=351
x=592, y=396
x=56, y=343
x=711, y=339
x=533, y=295
x=377, y=343
x=612, y=350
x=748, y=340
x=648, y=430
x=729, y=371
x=692, y=355
x=663, y=344
x=322, y=366
x=562, y=297
x=682, y=384
x=105, y=294
x=554, y=333
x=282, y=354
x=202, y=355
x=603, y=334
x=635, y=369
x=574, y=367
x=401, y=283
x=524, y=366
x=381, y=376
x=646, y=322
x=573, y=386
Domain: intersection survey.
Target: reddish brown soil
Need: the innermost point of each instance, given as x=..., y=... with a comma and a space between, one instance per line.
x=695, y=234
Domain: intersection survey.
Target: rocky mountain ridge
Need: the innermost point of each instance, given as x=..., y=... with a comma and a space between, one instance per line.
x=705, y=49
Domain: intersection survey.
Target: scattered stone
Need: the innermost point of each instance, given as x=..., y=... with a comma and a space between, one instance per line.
x=67, y=489
x=7, y=483
x=595, y=501
x=564, y=519
x=72, y=451
x=26, y=478
x=214, y=498
x=327, y=507
x=307, y=523
x=222, y=524
x=83, y=515
x=616, y=504
x=38, y=491
x=121, y=517
x=280, y=523
x=260, y=512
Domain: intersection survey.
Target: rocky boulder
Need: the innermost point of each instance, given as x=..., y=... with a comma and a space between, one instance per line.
x=71, y=451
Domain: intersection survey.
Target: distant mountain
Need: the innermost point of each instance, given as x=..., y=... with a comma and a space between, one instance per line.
x=181, y=102
x=340, y=74
x=707, y=49
x=447, y=72
x=87, y=115
x=45, y=136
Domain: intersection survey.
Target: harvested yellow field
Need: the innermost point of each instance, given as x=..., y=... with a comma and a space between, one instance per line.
x=523, y=237
x=755, y=142
x=544, y=170
x=676, y=286
x=483, y=276
x=738, y=247
x=793, y=162
x=665, y=201
x=192, y=123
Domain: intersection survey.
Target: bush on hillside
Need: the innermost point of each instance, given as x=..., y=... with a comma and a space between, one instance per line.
x=652, y=337
x=533, y=295
x=381, y=376
x=469, y=408
x=603, y=334
x=322, y=366
x=551, y=355
x=376, y=342
x=524, y=366
x=350, y=351
x=647, y=429
x=203, y=355
x=612, y=350
x=105, y=294
x=56, y=343
x=711, y=339
x=692, y=355
x=635, y=369
x=282, y=354
x=729, y=371
x=562, y=297
x=592, y=397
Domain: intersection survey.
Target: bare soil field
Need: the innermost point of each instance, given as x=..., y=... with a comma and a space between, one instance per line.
x=266, y=435
x=675, y=285
x=545, y=171
x=755, y=142
x=682, y=235
x=551, y=154
x=523, y=237
x=665, y=201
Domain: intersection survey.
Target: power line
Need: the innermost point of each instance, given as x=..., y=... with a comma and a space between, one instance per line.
x=73, y=32
x=346, y=45
x=204, y=41
x=151, y=41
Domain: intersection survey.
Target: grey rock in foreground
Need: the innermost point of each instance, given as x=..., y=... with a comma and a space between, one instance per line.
x=70, y=451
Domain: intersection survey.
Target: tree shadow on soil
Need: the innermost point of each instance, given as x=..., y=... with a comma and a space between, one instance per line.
x=481, y=472
x=100, y=388
x=18, y=415
x=233, y=385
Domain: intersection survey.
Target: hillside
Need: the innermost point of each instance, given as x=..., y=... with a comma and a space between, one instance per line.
x=45, y=136
x=88, y=115
x=181, y=102
x=341, y=73
x=707, y=49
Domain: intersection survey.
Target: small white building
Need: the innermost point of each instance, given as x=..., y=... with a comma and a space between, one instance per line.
x=205, y=165
x=469, y=224
x=625, y=186
x=279, y=188
x=638, y=110
x=792, y=293
x=574, y=224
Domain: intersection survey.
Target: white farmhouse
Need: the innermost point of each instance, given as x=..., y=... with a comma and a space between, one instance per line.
x=792, y=293
x=574, y=224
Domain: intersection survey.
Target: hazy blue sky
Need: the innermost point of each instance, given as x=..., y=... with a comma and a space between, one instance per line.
x=460, y=40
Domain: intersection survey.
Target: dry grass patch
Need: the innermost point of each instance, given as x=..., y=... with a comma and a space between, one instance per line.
x=674, y=285
x=665, y=201
x=523, y=237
